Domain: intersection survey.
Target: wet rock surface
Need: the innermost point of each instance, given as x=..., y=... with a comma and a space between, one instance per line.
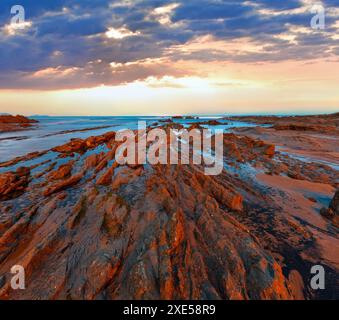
x=334, y=205
x=10, y=123
x=332, y=212
x=13, y=183
x=84, y=227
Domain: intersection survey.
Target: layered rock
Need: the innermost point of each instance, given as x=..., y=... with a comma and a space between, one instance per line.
x=321, y=123
x=148, y=236
x=245, y=149
x=15, y=123
x=87, y=228
x=13, y=183
x=332, y=212
x=64, y=171
x=81, y=146
x=15, y=119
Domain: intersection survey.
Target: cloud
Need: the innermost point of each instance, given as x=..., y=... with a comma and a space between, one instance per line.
x=73, y=43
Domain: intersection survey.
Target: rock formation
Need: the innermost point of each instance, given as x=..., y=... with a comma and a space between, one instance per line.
x=332, y=212
x=84, y=227
x=15, y=123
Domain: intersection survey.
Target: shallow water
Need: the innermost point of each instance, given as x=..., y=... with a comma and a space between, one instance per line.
x=48, y=134
x=309, y=159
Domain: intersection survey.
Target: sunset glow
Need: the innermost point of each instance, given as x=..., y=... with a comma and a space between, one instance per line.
x=171, y=60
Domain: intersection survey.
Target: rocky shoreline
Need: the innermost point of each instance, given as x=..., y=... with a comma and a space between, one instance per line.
x=84, y=227
x=9, y=123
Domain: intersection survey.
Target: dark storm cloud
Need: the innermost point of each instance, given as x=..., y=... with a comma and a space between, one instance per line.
x=70, y=34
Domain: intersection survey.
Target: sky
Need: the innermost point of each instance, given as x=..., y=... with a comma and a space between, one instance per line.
x=159, y=57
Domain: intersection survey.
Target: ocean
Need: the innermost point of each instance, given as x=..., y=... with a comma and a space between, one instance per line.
x=54, y=131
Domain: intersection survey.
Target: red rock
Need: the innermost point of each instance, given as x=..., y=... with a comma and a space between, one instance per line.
x=334, y=205
x=299, y=127
x=63, y=185
x=64, y=171
x=92, y=161
x=102, y=164
x=269, y=150
x=246, y=149
x=75, y=145
x=213, y=123
x=30, y=156
x=160, y=232
x=16, y=119
x=332, y=212
x=15, y=123
x=13, y=182
x=106, y=177
x=93, y=142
